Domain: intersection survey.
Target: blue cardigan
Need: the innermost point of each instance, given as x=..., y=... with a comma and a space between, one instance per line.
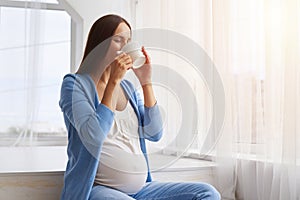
x=88, y=122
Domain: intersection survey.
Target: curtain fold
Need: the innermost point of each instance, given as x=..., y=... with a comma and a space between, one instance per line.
x=255, y=48
x=34, y=56
x=264, y=90
x=22, y=104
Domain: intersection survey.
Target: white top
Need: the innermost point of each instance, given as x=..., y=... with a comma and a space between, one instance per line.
x=122, y=164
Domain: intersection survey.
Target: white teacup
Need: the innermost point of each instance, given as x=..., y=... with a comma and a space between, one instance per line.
x=134, y=50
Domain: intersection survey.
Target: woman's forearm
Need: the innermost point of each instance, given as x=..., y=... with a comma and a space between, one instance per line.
x=109, y=99
x=149, y=98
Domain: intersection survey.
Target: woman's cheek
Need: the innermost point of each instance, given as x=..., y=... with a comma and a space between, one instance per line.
x=112, y=51
x=116, y=46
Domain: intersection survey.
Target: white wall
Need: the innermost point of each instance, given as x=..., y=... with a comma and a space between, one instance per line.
x=91, y=10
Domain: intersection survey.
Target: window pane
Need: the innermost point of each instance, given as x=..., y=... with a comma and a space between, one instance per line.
x=42, y=1
x=34, y=57
x=49, y=27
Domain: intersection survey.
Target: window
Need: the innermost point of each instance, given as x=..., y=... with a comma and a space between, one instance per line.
x=35, y=54
x=233, y=36
x=42, y=1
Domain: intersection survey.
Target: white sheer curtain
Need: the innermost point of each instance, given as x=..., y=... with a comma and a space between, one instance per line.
x=185, y=19
x=260, y=142
x=255, y=47
x=34, y=56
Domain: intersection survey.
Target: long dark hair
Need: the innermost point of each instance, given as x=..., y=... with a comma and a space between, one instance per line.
x=99, y=37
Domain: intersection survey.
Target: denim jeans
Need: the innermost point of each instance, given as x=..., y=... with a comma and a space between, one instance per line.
x=160, y=191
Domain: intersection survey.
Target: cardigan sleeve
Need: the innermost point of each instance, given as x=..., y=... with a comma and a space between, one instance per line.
x=92, y=124
x=152, y=123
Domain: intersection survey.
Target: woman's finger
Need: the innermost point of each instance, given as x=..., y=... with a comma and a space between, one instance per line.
x=121, y=56
x=125, y=64
x=146, y=55
x=126, y=60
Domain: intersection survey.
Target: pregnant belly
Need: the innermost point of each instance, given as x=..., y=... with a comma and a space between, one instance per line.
x=122, y=170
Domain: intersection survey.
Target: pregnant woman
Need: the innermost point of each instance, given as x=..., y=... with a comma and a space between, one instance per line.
x=108, y=121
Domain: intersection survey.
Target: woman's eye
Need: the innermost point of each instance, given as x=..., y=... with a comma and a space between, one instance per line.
x=118, y=40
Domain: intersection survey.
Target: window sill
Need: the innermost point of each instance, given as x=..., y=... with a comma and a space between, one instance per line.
x=174, y=164
x=49, y=159
x=33, y=159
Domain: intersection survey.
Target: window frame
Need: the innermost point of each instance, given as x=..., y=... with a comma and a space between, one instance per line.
x=76, y=43
x=76, y=24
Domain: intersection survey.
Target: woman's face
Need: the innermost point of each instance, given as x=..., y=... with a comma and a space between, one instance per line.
x=121, y=37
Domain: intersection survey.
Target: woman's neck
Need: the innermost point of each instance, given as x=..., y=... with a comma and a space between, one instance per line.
x=101, y=76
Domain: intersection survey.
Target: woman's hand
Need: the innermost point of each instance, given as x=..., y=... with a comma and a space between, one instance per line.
x=144, y=73
x=119, y=67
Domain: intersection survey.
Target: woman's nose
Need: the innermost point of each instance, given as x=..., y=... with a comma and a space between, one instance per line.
x=123, y=44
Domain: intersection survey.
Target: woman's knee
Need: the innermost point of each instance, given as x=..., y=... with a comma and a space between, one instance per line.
x=102, y=193
x=209, y=192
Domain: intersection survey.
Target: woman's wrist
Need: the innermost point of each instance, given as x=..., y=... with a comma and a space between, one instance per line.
x=147, y=85
x=149, y=98
x=109, y=94
x=145, y=82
